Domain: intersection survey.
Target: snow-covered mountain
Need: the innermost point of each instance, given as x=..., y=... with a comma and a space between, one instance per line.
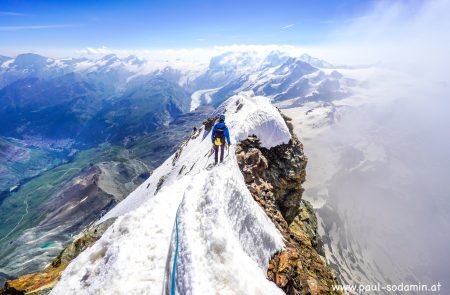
x=191, y=228
x=85, y=99
x=115, y=99
x=225, y=240
x=277, y=75
x=87, y=92
x=360, y=233
x=287, y=80
x=195, y=228
x=109, y=69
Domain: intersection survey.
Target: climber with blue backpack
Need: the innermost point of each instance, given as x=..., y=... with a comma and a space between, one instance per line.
x=218, y=136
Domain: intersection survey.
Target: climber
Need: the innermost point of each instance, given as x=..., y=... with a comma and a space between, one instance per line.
x=218, y=136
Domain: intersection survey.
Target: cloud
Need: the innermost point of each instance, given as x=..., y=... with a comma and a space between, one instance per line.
x=287, y=26
x=343, y=21
x=37, y=27
x=11, y=13
x=402, y=202
x=196, y=54
x=96, y=51
x=375, y=37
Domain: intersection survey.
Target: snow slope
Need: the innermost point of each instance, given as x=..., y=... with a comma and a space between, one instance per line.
x=287, y=79
x=225, y=240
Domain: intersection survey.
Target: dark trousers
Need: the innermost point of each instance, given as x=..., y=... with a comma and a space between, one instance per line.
x=216, y=152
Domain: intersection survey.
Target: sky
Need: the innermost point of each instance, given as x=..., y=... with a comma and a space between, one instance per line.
x=409, y=119
x=63, y=26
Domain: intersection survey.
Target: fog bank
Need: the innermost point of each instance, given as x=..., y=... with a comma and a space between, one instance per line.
x=387, y=161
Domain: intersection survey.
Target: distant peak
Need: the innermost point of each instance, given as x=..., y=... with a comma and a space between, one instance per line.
x=305, y=55
x=30, y=56
x=133, y=59
x=31, y=60
x=275, y=57
x=111, y=56
x=319, y=63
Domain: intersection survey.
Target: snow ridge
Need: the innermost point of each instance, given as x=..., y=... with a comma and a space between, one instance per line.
x=225, y=238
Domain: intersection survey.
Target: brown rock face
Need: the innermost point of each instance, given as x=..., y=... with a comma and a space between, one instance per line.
x=209, y=123
x=274, y=177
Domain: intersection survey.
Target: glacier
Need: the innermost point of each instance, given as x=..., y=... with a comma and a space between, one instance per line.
x=225, y=239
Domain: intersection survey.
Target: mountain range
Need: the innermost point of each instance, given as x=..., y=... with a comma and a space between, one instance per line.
x=80, y=129
x=84, y=89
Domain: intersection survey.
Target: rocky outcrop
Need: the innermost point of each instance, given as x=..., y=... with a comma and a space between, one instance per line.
x=274, y=177
x=209, y=123
x=41, y=283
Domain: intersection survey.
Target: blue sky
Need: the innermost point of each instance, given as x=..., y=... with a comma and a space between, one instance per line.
x=31, y=25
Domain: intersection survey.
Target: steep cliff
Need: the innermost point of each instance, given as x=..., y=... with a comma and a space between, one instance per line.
x=274, y=178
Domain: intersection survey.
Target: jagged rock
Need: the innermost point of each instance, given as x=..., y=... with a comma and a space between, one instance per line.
x=305, y=224
x=274, y=178
x=41, y=283
x=288, y=121
x=282, y=166
x=285, y=266
x=181, y=169
x=209, y=123
x=159, y=184
x=239, y=107
x=177, y=155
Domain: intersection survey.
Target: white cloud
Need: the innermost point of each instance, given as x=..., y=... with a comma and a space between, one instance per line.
x=11, y=13
x=391, y=33
x=403, y=202
x=287, y=26
x=96, y=51
x=37, y=27
x=196, y=54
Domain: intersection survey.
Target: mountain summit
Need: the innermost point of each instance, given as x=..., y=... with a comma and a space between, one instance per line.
x=194, y=228
x=225, y=240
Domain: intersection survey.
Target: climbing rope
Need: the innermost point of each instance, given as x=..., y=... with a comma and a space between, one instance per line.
x=174, y=266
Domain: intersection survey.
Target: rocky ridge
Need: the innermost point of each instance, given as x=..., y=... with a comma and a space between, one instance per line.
x=274, y=178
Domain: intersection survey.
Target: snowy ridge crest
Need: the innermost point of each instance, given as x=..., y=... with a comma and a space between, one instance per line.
x=225, y=238
x=259, y=117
